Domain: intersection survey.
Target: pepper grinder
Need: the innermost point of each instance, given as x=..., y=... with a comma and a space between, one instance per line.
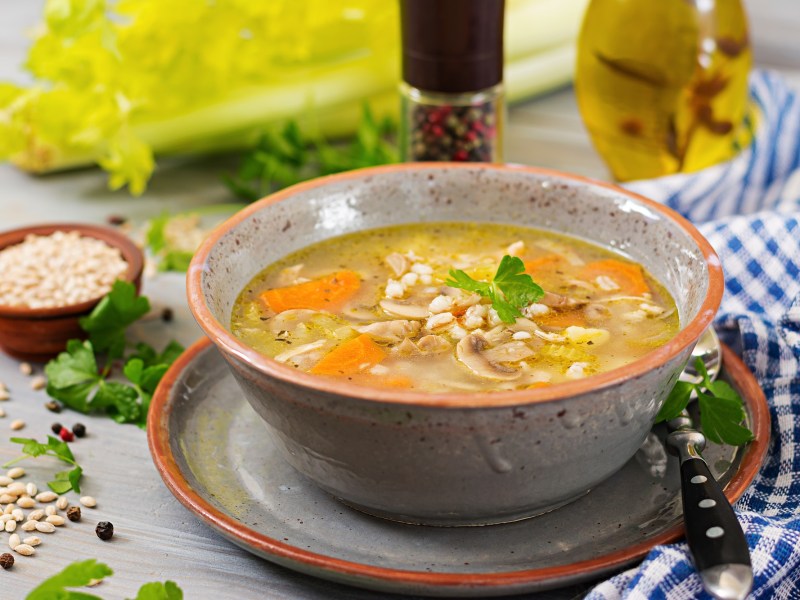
x=452, y=89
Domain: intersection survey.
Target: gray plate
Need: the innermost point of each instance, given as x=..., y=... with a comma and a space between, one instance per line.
x=216, y=456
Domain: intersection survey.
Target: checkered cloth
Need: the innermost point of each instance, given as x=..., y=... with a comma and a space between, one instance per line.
x=749, y=210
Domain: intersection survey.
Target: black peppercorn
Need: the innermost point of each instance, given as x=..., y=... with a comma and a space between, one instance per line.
x=116, y=220
x=74, y=514
x=79, y=429
x=6, y=560
x=167, y=315
x=56, y=428
x=104, y=530
x=53, y=406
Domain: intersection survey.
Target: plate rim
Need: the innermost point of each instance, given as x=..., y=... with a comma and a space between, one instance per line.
x=289, y=555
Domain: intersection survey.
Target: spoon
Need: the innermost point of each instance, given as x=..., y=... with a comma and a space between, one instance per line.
x=715, y=537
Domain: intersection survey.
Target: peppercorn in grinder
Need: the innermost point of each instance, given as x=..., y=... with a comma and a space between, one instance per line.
x=452, y=89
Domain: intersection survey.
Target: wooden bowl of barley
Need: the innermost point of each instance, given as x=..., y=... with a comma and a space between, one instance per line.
x=54, y=274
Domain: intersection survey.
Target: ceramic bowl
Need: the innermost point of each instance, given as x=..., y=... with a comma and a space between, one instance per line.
x=37, y=334
x=456, y=458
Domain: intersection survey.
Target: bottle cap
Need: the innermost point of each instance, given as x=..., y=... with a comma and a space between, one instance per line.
x=452, y=46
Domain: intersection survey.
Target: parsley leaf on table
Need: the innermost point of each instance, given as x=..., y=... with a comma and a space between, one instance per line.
x=510, y=289
x=283, y=159
x=114, y=313
x=75, y=379
x=168, y=590
x=78, y=574
x=82, y=573
x=721, y=408
x=64, y=480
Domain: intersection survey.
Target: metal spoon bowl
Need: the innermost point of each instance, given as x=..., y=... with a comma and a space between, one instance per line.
x=708, y=350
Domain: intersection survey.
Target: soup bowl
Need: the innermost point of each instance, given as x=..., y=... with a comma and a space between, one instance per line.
x=456, y=458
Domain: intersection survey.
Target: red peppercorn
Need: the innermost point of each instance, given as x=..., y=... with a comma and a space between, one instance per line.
x=66, y=434
x=460, y=155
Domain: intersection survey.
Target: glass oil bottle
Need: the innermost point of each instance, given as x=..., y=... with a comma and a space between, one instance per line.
x=662, y=85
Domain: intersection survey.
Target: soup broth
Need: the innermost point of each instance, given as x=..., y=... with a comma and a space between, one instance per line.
x=373, y=307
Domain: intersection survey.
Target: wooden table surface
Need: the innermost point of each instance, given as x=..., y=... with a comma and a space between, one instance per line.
x=157, y=539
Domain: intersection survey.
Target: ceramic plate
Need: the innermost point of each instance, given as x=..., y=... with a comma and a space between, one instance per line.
x=215, y=455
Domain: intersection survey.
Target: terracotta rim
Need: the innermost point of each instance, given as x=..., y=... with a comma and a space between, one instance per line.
x=158, y=435
x=230, y=344
x=129, y=250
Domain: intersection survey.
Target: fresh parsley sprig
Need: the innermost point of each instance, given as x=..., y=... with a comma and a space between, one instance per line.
x=76, y=379
x=721, y=408
x=83, y=573
x=64, y=480
x=282, y=159
x=509, y=290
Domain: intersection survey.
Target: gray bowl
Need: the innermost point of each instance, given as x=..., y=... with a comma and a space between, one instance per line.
x=456, y=458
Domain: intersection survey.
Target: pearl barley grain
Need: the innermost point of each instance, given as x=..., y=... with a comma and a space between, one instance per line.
x=86, y=267
x=88, y=501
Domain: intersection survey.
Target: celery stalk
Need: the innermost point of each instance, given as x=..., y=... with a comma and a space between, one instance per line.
x=118, y=82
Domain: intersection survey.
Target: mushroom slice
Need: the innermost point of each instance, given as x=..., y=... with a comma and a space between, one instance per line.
x=596, y=313
x=433, y=344
x=498, y=335
x=289, y=319
x=406, y=348
x=406, y=310
x=306, y=350
x=390, y=331
x=398, y=263
x=558, y=301
x=470, y=351
x=511, y=352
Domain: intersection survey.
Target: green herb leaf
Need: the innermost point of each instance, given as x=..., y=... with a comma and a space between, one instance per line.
x=510, y=290
x=65, y=480
x=676, y=402
x=78, y=574
x=284, y=158
x=721, y=415
x=115, y=312
x=721, y=408
x=72, y=377
x=168, y=590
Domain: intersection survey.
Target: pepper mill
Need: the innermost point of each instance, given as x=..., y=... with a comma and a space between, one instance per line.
x=452, y=89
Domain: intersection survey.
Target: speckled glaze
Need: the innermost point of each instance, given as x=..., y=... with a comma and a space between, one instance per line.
x=456, y=458
x=210, y=449
x=41, y=333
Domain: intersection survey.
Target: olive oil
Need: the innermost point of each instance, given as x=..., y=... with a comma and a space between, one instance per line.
x=662, y=85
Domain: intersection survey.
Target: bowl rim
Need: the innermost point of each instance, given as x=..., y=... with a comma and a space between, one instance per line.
x=131, y=253
x=230, y=344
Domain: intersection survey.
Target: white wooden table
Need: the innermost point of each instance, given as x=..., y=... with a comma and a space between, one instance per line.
x=156, y=538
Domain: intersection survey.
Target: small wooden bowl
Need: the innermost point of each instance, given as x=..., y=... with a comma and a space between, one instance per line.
x=38, y=334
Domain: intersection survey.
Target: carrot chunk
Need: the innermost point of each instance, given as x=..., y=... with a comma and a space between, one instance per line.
x=382, y=381
x=628, y=276
x=326, y=293
x=562, y=320
x=353, y=356
x=546, y=264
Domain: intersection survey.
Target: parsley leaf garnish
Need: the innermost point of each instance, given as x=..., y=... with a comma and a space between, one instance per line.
x=83, y=573
x=107, y=322
x=75, y=378
x=721, y=408
x=510, y=289
x=64, y=480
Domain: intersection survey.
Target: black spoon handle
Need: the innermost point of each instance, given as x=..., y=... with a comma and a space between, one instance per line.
x=712, y=530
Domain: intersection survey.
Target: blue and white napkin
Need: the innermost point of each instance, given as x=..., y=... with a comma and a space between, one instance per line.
x=749, y=210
